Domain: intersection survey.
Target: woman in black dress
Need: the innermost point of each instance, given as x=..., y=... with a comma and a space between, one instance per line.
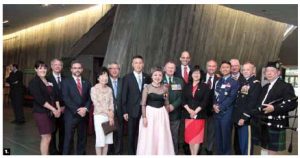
x=195, y=97
x=45, y=105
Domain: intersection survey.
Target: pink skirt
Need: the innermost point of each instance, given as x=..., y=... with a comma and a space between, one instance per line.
x=156, y=138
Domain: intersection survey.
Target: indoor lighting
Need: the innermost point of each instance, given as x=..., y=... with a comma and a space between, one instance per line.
x=5, y=21
x=45, y=5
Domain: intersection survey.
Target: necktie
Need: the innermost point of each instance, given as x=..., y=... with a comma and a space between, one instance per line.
x=170, y=80
x=185, y=75
x=269, y=88
x=58, y=82
x=79, y=87
x=209, y=82
x=140, y=82
x=218, y=88
x=115, y=88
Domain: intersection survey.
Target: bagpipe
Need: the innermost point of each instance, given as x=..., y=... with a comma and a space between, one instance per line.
x=267, y=119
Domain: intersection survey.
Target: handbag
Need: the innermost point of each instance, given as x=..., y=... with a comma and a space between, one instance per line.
x=107, y=128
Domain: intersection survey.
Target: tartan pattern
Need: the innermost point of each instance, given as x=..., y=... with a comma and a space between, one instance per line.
x=276, y=140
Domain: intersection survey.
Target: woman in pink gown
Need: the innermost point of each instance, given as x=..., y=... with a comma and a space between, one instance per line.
x=154, y=128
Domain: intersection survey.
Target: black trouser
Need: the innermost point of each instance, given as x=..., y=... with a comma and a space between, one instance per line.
x=133, y=131
x=60, y=128
x=174, y=125
x=209, y=138
x=236, y=144
x=72, y=123
x=117, y=147
x=17, y=97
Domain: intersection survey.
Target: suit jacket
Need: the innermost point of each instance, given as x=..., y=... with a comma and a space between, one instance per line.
x=210, y=102
x=175, y=97
x=178, y=72
x=15, y=80
x=117, y=100
x=131, y=94
x=200, y=99
x=41, y=95
x=279, y=90
x=58, y=91
x=246, y=101
x=71, y=96
x=225, y=93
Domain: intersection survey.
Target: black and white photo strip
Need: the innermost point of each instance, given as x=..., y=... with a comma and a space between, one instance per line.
x=149, y=78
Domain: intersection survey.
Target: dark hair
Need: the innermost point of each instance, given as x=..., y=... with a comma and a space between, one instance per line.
x=40, y=63
x=137, y=57
x=225, y=62
x=196, y=68
x=103, y=70
x=15, y=65
x=76, y=62
x=156, y=68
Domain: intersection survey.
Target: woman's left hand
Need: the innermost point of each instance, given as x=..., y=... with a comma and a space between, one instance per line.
x=111, y=122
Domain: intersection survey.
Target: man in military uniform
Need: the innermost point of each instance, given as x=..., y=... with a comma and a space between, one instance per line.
x=225, y=95
x=248, y=94
x=273, y=135
x=175, y=85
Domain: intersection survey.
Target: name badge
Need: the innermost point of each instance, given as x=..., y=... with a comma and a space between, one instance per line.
x=223, y=86
x=176, y=87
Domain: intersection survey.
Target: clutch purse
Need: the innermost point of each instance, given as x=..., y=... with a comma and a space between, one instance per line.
x=107, y=128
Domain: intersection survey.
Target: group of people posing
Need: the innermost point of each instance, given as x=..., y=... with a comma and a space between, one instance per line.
x=207, y=104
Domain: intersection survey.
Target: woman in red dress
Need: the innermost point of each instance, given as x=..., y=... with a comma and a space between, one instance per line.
x=195, y=97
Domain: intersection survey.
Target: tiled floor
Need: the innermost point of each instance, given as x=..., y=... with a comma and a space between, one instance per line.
x=24, y=139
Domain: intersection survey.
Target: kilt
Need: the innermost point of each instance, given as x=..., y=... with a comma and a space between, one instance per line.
x=274, y=139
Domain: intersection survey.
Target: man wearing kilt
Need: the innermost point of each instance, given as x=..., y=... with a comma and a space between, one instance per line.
x=273, y=136
x=248, y=94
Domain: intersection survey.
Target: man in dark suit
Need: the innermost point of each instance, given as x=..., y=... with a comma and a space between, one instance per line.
x=76, y=96
x=236, y=75
x=210, y=78
x=115, y=82
x=246, y=102
x=55, y=77
x=224, y=98
x=183, y=70
x=175, y=86
x=273, y=137
x=133, y=84
x=15, y=81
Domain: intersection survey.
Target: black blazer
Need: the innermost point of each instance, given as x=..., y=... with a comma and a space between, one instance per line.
x=41, y=95
x=200, y=99
x=131, y=94
x=15, y=80
x=58, y=91
x=117, y=100
x=178, y=72
x=210, y=102
x=279, y=90
x=71, y=96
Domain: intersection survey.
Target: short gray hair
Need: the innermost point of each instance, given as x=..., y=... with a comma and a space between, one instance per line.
x=113, y=63
x=56, y=59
